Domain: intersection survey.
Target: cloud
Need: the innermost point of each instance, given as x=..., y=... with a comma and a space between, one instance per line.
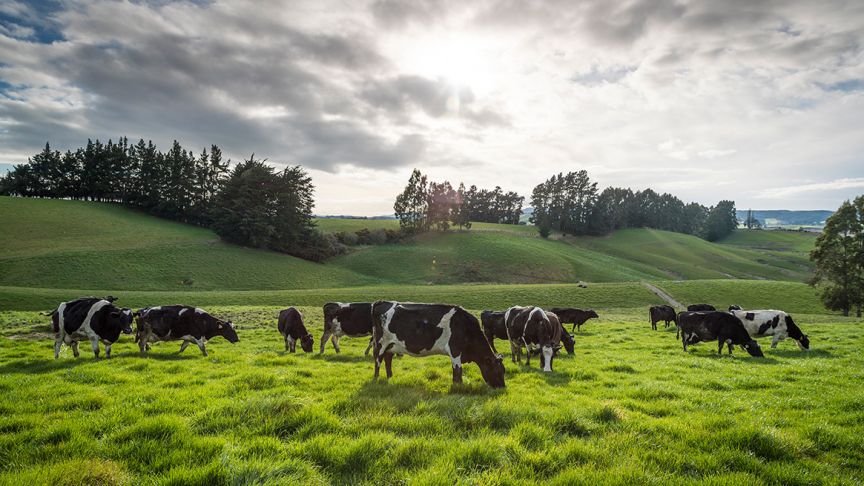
x=648, y=93
x=838, y=184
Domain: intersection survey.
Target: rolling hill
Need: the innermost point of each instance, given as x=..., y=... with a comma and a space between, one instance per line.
x=74, y=244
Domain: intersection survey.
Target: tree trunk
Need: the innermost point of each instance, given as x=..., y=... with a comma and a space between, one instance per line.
x=858, y=311
x=845, y=312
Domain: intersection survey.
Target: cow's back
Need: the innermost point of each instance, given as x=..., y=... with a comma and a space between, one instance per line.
x=75, y=313
x=288, y=318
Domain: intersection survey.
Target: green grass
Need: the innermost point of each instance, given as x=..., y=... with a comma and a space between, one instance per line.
x=749, y=294
x=82, y=245
x=629, y=408
x=796, y=241
x=333, y=225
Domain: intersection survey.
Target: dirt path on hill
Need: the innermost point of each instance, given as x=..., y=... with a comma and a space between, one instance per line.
x=663, y=295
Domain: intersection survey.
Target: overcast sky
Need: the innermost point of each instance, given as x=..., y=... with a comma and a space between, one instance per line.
x=761, y=102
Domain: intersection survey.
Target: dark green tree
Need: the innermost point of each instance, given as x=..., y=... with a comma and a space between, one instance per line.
x=839, y=258
x=411, y=206
x=721, y=221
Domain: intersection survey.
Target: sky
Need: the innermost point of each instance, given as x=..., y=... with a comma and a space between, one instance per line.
x=761, y=102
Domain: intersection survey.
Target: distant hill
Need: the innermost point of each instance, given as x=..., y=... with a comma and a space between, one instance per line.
x=785, y=218
x=82, y=245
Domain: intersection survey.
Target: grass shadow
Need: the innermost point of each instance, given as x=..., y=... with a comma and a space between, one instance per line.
x=800, y=353
x=48, y=365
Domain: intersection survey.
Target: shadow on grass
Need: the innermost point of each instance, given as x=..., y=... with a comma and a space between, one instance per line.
x=742, y=355
x=343, y=358
x=800, y=353
x=48, y=365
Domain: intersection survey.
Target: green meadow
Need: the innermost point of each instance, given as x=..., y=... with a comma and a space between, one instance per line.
x=630, y=407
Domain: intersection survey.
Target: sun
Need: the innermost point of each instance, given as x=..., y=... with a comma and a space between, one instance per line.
x=463, y=60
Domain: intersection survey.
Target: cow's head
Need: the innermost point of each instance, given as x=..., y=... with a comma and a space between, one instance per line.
x=734, y=307
x=122, y=318
x=492, y=369
x=306, y=343
x=592, y=314
x=795, y=333
x=226, y=330
x=753, y=348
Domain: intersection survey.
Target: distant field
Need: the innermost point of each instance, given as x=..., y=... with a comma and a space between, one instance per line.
x=798, y=241
x=333, y=225
x=749, y=294
x=629, y=408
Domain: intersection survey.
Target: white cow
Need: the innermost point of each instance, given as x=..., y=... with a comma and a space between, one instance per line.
x=760, y=323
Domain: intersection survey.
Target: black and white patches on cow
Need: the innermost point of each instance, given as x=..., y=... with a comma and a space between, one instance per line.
x=657, y=313
x=290, y=325
x=92, y=319
x=494, y=328
x=726, y=328
x=351, y=319
x=433, y=329
x=577, y=317
x=180, y=323
x=532, y=327
x=775, y=323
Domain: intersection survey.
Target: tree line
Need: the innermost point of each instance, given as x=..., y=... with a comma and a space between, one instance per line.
x=839, y=258
x=253, y=204
x=571, y=204
x=424, y=205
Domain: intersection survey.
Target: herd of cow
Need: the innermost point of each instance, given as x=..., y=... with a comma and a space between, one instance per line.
x=412, y=329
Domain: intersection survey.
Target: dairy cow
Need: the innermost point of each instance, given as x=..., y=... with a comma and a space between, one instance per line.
x=352, y=320
x=291, y=327
x=180, y=323
x=534, y=328
x=577, y=317
x=92, y=319
x=724, y=327
x=433, y=329
x=659, y=313
x=760, y=323
x=494, y=328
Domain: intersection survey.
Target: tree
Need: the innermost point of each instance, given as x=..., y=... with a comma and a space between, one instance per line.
x=751, y=222
x=839, y=258
x=721, y=221
x=411, y=206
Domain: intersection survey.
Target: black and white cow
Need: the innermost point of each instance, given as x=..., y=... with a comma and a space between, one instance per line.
x=534, y=328
x=292, y=329
x=577, y=317
x=760, y=323
x=722, y=326
x=180, y=323
x=494, y=328
x=351, y=319
x=700, y=308
x=92, y=319
x=433, y=329
x=659, y=313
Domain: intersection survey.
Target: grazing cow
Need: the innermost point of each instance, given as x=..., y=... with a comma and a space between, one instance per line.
x=89, y=318
x=352, y=320
x=577, y=317
x=532, y=327
x=722, y=326
x=661, y=313
x=775, y=323
x=734, y=307
x=180, y=322
x=292, y=329
x=700, y=308
x=494, y=328
x=427, y=329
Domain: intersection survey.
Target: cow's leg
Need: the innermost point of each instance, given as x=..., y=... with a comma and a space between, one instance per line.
x=108, y=351
x=285, y=338
x=183, y=346
x=653, y=325
x=324, y=338
x=730, y=347
x=514, y=352
x=776, y=340
x=335, y=341
x=143, y=345
x=388, y=364
x=720, y=343
x=527, y=353
x=683, y=340
x=457, y=369
x=74, y=346
x=58, y=343
x=95, y=344
x=368, y=347
x=291, y=344
x=200, y=343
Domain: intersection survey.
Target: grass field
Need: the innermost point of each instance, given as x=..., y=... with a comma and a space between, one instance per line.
x=82, y=245
x=629, y=408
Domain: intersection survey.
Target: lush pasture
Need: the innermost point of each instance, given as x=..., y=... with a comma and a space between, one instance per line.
x=73, y=244
x=630, y=407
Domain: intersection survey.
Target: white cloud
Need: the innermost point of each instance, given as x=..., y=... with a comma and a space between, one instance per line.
x=835, y=185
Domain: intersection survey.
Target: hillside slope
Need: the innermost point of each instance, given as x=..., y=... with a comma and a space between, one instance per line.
x=75, y=244
x=82, y=245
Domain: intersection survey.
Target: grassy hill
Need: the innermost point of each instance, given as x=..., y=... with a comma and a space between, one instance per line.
x=73, y=244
